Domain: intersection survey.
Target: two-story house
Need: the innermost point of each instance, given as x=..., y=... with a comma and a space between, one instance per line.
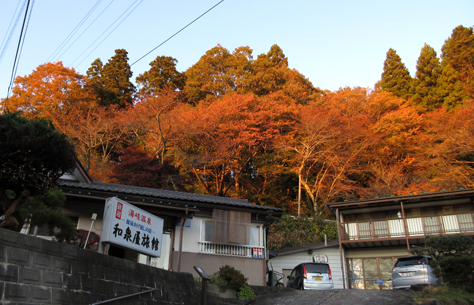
x=374, y=232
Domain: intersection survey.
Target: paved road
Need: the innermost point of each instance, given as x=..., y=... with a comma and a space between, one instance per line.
x=337, y=297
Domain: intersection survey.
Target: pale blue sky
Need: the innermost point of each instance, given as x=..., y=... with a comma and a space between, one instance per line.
x=333, y=43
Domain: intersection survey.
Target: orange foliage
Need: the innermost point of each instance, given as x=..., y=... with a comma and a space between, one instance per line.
x=221, y=137
x=47, y=91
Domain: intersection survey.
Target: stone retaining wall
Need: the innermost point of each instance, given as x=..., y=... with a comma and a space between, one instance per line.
x=34, y=270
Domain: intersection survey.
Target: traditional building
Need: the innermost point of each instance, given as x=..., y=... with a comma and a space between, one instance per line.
x=199, y=230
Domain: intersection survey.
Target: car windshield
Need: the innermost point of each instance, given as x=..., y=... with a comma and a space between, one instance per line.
x=314, y=268
x=410, y=261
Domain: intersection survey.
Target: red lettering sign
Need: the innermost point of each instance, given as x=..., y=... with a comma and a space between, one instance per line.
x=118, y=213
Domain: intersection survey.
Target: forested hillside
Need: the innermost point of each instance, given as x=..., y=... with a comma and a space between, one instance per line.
x=251, y=127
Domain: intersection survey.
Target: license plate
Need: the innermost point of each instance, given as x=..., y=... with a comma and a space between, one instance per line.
x=406, y=274
x=318, y=278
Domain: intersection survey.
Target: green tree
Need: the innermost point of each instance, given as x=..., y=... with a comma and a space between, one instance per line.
x=458, y=52
x=219, y=72
x=34, y=156
x=95, y=80
x=395, y=76
x=162, y=74
x=271, y=75
x=44, y=211
x=112, y=81
x=450, y=89
x=424, y=86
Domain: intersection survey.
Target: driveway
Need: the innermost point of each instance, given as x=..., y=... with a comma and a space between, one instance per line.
x=337, y=297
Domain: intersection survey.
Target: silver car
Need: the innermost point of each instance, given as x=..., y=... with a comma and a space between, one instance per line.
x=412, y=270
x=311, y=276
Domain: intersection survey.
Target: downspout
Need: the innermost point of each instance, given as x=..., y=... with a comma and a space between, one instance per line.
x=183, y=219
x=405, y=226
x=338, y=221
x=170, y=261
x=264, y=256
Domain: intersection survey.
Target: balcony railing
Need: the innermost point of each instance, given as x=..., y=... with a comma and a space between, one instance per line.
x=409, y=227
x=230, y=250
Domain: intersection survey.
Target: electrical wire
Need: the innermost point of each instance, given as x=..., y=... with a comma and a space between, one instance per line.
x=177, y=32
x=106, y=32
x=18, y=50
x=10, y=30
x=23, y=41
x=80, y=35
x=76, y=28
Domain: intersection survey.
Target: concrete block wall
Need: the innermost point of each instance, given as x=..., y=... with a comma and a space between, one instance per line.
x=37, y=271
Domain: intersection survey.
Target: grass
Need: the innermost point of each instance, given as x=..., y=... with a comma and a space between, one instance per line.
x=445, y=295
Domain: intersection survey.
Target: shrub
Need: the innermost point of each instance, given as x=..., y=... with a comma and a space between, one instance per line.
x=289, y=231
x=458, y=271
x=246, y=292
x=228, y=278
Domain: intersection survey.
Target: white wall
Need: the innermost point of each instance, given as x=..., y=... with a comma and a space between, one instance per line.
x=191, y=235
x=289, y=261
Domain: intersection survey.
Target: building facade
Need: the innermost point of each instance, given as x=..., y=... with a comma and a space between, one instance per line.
x=374, y=232
x=199, y=230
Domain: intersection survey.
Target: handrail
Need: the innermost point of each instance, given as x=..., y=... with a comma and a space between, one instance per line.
x=246, y=251
x=403, y=227
x=123, y=297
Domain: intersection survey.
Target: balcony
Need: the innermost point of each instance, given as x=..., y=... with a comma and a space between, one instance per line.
x=394, y=232
x=230, y=250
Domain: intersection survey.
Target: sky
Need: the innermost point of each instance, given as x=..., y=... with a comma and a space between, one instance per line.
x=335, y=44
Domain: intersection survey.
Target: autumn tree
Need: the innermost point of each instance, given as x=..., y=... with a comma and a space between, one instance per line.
x=47, y=92
x=154, y=123
x=451, y=154
x=34, y=156
x=220, y=139
x=137, y=167
x=395, y=76
x=111, y=81
x=331, y=140
x=97, y=134
x=424, y=87
x=162, y=75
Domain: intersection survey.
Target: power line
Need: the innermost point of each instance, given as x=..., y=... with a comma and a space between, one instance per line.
x=177, y=33
x=18, y=50
x=10, y=30
x=80, y=35
x=76, y=28
x=106, y=31
x=23, y=41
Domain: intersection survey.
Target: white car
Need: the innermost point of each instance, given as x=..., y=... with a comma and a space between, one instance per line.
x=311, y=276
x=412, y=270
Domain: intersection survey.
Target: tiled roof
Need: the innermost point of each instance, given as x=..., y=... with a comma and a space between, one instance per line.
x=164, y=194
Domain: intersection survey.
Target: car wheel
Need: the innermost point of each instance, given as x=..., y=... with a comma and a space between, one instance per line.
x=280, y=285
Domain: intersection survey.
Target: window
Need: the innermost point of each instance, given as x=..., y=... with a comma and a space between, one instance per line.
x=206, y=230
x=254, y=236
x=230, y=227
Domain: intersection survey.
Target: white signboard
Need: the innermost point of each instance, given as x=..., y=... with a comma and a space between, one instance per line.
x=127, y=226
